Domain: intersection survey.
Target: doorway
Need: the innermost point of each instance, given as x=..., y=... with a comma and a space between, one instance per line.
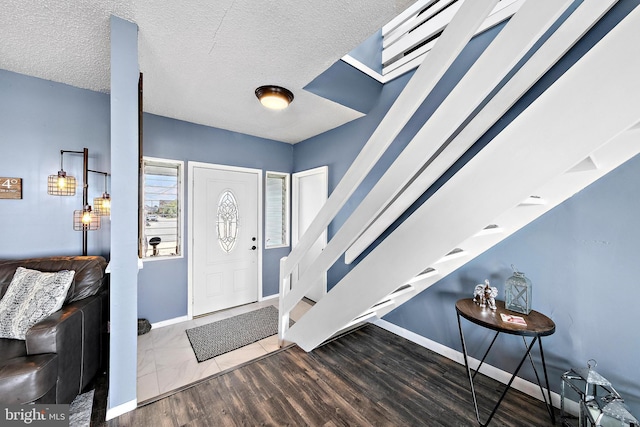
x=310, y=191
x=225, y=229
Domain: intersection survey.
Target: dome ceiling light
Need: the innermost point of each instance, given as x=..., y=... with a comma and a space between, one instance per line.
x=274, y=97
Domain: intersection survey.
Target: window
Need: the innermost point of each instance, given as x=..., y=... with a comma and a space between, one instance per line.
x=277, y=210
x=227, y=221
x=161, y=208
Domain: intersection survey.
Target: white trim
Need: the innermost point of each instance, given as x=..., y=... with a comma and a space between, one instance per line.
x=533, y=200
x=414, y=23
x=411, y=34
x=392, y=32
x=313, y=171
x=170, y=322
x=287, y=214
x=433, y=272
x=492, y=229
x=456, y=253
x=409, y=13
x=323, y=171
x=360, y=66
x=268, y=297
x=121, y=409
x=191, y=165
x=497, y=374
x=160, y=258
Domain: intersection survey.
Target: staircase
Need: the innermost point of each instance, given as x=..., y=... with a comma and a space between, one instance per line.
x=581, y=127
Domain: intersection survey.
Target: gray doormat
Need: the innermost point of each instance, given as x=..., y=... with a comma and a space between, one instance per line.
x=225, y=335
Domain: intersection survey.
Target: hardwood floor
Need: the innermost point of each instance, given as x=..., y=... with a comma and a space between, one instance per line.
x=370, y=377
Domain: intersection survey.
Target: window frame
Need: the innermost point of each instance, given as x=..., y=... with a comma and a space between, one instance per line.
x=287, y=210
x=180, y=215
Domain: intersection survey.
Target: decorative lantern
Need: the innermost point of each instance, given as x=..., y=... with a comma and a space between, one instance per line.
x=599, y=403
x=518, y=293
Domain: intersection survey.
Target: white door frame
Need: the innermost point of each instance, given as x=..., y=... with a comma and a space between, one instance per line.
x=295, y=197
x=191, y=166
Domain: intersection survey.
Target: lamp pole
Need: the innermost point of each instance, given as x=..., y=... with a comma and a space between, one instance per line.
x=85, y=195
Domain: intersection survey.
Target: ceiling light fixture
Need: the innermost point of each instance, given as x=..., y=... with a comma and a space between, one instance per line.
x=274, y=97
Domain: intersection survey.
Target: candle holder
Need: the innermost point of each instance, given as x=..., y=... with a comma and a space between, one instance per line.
x=517, y=291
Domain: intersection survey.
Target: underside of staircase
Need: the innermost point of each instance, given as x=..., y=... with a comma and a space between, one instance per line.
x=583, y=125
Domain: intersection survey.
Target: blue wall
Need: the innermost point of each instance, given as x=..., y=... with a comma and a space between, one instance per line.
x=582, y=259
x=38, y=118
x=163, y=283
x=369, y=52
x=124, y=239
x=348, y=86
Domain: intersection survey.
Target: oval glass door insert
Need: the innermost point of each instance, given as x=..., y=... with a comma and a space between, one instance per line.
x=227, y=221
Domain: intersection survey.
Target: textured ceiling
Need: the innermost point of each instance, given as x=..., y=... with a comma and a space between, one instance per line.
x=201, y=59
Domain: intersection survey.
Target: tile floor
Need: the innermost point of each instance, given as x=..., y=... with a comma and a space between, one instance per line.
x=166, y=360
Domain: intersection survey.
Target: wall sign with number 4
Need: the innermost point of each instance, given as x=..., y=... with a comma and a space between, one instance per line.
x=10, y=188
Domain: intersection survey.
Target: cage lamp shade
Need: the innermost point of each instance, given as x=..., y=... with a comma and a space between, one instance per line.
x=274, y=97
x=61, y=184
x=85, y=219
x=102, y=205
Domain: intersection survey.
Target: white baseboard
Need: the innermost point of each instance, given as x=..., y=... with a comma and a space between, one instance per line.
x=269, y=297
x=521, y=384
x=121, y=409
x=169, y=322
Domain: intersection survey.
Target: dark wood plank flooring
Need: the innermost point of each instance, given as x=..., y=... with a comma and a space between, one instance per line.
x=369, y=377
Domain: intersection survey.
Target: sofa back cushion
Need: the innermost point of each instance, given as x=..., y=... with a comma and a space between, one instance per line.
x=89, y=276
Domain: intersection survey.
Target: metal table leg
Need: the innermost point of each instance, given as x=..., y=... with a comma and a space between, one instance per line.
x=513, y=376
x=546, y=378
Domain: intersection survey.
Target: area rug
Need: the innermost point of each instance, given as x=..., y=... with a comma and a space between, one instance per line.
x=230, y=334
x=80, y=410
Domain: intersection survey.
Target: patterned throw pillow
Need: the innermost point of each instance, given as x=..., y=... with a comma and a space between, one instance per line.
x=32, y=295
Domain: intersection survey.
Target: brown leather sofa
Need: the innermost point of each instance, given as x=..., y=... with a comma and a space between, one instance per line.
x=62, y=353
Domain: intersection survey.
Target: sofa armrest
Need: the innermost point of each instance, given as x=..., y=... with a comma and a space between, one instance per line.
x=55, y=332
x=61, y=333
x=94, y=326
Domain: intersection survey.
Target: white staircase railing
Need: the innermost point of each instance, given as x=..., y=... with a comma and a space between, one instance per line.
x=545, y=57
x=451, y=43
x=409, y=37
x=471, y=199
x=554, y=192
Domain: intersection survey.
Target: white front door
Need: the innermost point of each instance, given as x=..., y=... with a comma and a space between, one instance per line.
x=310, y=190
x=225, y=232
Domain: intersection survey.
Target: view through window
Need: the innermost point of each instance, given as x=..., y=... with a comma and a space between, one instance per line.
x=162, y=211
x=277, y=210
